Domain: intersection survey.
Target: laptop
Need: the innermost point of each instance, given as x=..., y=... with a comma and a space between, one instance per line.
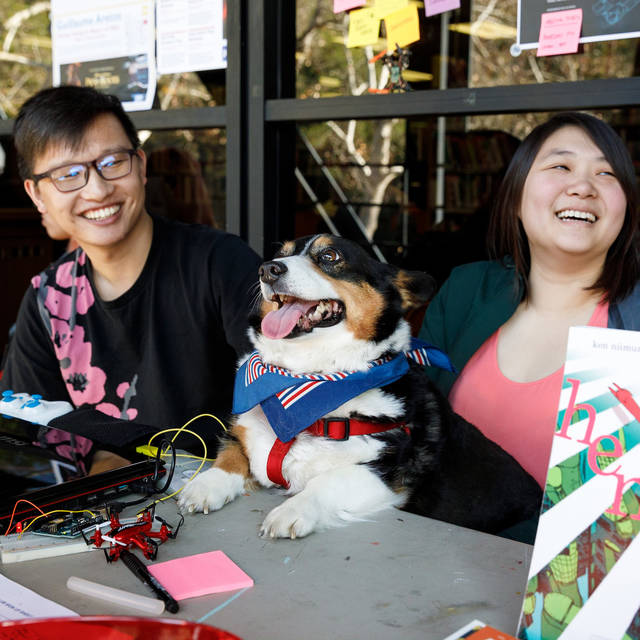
x=51, y=468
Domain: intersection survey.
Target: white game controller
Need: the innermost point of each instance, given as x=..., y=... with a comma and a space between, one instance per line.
x=32, y=408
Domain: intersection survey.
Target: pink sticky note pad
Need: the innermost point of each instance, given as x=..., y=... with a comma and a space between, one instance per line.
x=559, y=32
x=345, y=5
x=199, y=575
x=433, y=7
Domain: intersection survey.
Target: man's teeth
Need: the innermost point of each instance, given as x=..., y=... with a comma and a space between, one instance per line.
x=572, y=214
x=101, y=214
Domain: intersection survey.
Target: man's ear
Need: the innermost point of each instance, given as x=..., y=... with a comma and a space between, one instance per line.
x=33, y=192
x=143, y=164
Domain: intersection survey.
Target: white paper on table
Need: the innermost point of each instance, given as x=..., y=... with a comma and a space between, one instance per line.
x=18, y=602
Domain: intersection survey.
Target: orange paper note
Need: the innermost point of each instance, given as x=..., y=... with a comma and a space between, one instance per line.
x=489, y=633
x=559, y=32
x=403, y=27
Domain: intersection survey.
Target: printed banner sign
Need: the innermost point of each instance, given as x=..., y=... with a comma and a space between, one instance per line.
x=108, y=46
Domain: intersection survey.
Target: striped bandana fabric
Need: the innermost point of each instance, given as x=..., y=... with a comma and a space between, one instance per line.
x=293, y=402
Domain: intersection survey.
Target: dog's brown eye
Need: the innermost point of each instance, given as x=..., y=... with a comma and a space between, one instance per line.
x=329, y=255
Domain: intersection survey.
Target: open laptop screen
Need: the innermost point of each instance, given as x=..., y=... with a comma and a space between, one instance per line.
x=53, y=468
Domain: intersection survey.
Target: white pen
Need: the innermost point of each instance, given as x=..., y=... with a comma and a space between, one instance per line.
x=117, y=596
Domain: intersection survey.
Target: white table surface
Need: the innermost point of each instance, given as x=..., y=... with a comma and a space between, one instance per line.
x=396, y=576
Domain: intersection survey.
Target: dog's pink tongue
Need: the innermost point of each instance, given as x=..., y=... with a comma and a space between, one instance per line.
x=281, y=322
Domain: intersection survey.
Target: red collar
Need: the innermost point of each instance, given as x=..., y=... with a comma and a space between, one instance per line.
x=332, y=428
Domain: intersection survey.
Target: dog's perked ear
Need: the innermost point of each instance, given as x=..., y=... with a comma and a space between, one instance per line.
x=416, y=288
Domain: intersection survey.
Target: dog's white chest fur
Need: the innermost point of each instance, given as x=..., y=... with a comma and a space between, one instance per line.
x=327, y=307
x=309, y=455
x=329, y=479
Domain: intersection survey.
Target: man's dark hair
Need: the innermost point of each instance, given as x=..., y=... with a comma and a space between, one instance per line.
x=506, y=235
x=61, y=116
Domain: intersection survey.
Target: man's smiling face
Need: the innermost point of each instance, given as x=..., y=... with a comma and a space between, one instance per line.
x=103, y=212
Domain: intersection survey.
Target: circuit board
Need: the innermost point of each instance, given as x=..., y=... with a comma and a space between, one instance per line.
x=68, y=525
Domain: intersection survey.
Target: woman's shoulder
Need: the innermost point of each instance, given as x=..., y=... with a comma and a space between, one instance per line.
x=494, y=272
x=625, y=313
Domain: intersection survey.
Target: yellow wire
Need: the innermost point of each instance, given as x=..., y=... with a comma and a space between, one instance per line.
x=178, y=431
x=93, y=515
x=202, y=459
x=188, y=455
x=186, y=424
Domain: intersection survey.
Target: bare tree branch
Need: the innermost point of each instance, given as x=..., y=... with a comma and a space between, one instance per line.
x=15, y=21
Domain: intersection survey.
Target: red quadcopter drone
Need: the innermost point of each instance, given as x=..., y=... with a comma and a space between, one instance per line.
x=133, y=534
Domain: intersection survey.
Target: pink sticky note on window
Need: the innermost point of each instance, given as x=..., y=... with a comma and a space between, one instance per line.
x=559, y=32
x=433, y=7
x=199, y=575
x=345, y=5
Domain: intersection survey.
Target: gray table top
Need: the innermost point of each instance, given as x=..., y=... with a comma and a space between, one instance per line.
x=395, y=576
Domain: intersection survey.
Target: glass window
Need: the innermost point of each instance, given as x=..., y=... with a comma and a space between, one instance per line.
x=491, y=62
x=26, y=46
x=418, y=191
x=468, y=47
x=26, y=65
x=356, y=172
x=186, y=175
x=193, y=89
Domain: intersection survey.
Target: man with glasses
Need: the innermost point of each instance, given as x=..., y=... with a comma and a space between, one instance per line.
x=145, y=320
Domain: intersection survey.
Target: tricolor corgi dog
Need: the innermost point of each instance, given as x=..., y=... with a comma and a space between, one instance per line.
x=334, y=405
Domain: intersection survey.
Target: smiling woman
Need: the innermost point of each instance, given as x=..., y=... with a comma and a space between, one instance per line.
x=564, y=233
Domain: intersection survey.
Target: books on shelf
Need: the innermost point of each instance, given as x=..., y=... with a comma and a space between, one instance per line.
x=584, y=579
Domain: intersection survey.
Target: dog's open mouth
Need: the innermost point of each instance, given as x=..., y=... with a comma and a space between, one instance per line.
x=294, y=316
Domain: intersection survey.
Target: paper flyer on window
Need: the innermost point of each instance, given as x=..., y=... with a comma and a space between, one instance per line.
x=106, y=45
x=191, y=35
x=601, y=20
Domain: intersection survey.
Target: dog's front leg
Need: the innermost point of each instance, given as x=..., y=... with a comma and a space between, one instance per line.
x=330, y=499
x=224, y=482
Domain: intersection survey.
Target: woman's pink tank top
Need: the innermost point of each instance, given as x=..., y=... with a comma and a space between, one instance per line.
x=519, y=416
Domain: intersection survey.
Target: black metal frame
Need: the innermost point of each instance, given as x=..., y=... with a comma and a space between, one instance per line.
x=261, y=114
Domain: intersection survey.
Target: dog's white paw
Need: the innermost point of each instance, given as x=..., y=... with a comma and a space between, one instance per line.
x=294, y=518
x=210, y=491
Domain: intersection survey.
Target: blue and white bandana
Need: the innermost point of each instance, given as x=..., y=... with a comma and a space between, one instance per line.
x=292, y=402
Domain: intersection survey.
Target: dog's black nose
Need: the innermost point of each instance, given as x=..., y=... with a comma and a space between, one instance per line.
x=269, y=272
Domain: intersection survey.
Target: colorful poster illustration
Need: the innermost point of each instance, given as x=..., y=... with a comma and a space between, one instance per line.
x=108, y=46
x=601, y=20
x=584, y=580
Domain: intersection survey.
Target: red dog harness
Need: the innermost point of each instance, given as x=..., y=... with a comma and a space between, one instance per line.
x=332, y=428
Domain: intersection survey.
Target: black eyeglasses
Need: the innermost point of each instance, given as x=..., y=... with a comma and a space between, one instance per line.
x=72, y=177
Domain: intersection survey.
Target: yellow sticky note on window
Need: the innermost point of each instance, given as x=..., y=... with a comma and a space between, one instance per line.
x=403, y=27
x=384, y=7
x=364, y=26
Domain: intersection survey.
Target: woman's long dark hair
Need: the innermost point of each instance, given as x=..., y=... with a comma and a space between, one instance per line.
x=506, y=236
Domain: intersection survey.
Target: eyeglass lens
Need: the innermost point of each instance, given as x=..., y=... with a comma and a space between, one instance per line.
x=74, y=176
